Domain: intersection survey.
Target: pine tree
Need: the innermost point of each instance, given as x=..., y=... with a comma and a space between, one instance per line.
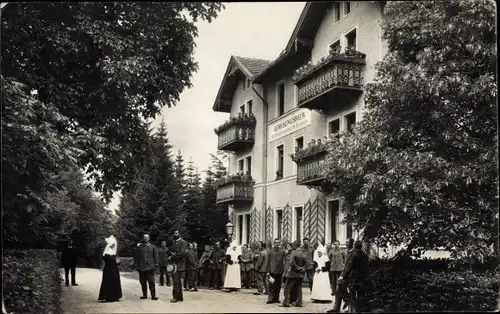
x=214, y=215
x=154, y=205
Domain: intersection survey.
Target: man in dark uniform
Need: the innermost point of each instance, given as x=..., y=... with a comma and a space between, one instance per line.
x=216, y=264
x=69, y=259
x=309, y=252
x=298, y=265
x=260, y=269
x=146, y=262
x=180, y=259
x=355, y=271
x=163, y=255
x=275, y=266
x=191, y=265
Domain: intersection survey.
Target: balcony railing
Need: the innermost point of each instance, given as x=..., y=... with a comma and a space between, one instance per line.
x=235, y=189
x=237, y=134
x=334, y=80
x=310, y=164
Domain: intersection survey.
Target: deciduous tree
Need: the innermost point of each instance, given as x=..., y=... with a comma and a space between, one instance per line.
x=421, y=168
x=105, y=67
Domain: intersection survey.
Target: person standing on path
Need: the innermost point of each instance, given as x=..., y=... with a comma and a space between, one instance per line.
x=337, y=261
x=204, y=267
x=163, y=255
x=146, y=262
x=321, y=291
x=275, y=265
x=216, y=263
x=260, y=269
x=246, y=267
x=295, y=276
x=181, y=260
x=111, y=287
x=191, y=266
x=232, y=281
x=309, y=252
x=69, y=259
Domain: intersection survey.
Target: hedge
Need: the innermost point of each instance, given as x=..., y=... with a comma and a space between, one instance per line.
x=433, y=285
x=31, y=281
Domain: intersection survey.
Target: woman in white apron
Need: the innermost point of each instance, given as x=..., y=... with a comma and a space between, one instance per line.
x=232, y=280
x=321, y=289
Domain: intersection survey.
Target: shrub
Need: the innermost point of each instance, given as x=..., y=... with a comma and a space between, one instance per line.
x=31, y=281
x=432, y=285
x=126, y=264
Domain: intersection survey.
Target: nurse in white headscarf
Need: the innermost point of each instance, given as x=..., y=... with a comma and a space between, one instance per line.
x=232, y=280
x=111, y=288
x=321, y=289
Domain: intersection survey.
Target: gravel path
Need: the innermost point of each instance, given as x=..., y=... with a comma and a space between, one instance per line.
x=83, y=299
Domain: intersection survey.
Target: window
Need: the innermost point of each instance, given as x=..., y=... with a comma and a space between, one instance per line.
x=242, y=109
x=247, y=84
x=241, y=165
x=336, y=12
x=336, y=46
x=247, y=228
x=281, y=160
x=281, y=98
x=249, y=165
x=240, y=229
x=249, y=107
x=279, y=223
x=333, y=216
x=347, y=7
x=298, y=223
x=334, y=127
x=299, y=143
x=350, y=120
x=351, y=40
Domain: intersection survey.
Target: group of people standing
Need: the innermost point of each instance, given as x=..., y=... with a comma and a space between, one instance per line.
x=267, y=267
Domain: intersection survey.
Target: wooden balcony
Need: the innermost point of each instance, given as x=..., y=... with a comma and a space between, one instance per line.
x=310, y=166
x=236, y=134
x=235, y=190
x=334, y=81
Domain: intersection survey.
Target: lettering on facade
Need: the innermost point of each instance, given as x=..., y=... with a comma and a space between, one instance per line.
x=289, y=124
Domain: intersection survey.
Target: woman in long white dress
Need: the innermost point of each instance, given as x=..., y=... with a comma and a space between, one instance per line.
x=232, y=280
x=321, y=289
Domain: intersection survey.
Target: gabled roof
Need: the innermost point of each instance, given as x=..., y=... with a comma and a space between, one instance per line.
x=237, y=66
x=254, y=66
x=309, y=21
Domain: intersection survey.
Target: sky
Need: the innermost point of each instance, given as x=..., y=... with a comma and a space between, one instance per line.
x=255, y=30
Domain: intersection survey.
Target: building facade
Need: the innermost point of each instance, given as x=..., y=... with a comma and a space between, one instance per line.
x=282, y=111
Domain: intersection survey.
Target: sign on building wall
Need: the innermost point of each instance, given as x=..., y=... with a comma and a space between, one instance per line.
x=288, y=124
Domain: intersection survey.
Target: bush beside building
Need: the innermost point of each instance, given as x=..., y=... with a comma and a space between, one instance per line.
x=433, y=285
x=31, y=281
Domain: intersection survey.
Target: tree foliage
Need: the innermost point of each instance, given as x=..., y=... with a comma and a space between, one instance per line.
x=105, y=67
x=420, y=169
x=153, y=205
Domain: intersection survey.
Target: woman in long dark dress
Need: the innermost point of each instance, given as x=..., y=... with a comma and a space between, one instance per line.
x=111, y=287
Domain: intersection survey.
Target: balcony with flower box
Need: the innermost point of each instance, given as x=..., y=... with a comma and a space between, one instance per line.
x=310, y=163
x=237, y=134
x=336, y=79
x=235, y=189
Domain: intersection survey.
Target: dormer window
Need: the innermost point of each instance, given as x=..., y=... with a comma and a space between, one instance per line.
x=247, y=84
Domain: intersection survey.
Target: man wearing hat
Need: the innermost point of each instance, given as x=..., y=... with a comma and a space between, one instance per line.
x=146, y=262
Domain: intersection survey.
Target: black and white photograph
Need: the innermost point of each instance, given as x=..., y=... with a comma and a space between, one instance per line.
x=249, y=157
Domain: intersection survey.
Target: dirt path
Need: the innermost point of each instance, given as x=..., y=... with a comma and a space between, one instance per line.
x=83, y=299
